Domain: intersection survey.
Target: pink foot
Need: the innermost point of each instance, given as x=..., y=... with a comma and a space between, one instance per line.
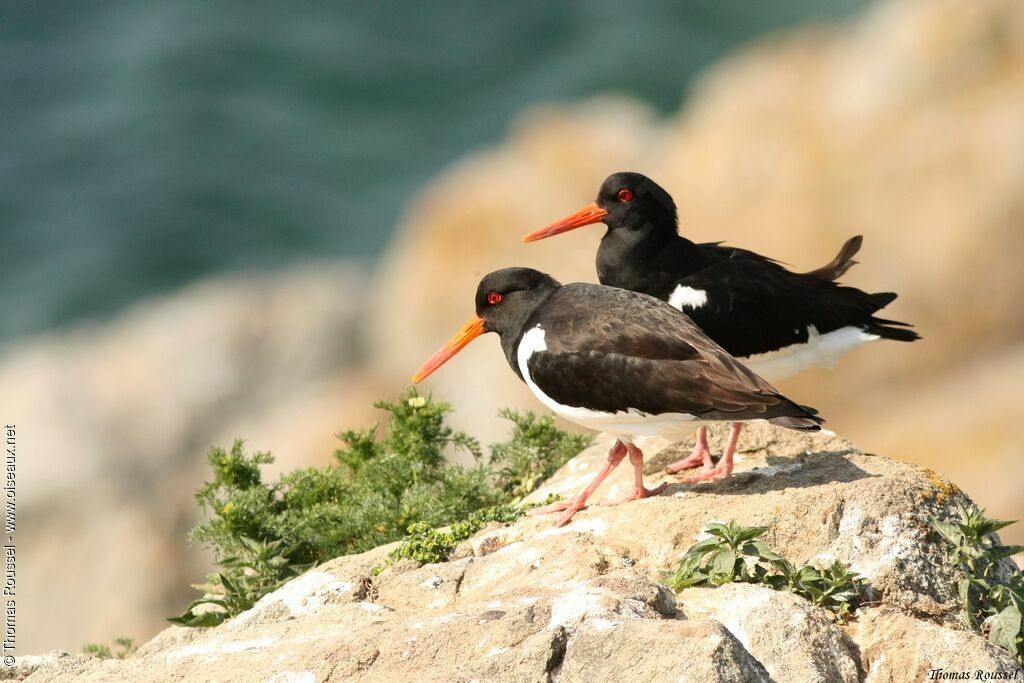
x=548, y=509
x=688, y=462
x=724, y=467
x=570, y=508
x=615, y=455
x=700, y=454
x=714, y=474
x=636, y=494
x=567, y=515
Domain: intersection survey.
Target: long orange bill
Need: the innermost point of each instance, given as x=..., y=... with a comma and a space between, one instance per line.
x=470, y=331
x=588, y=215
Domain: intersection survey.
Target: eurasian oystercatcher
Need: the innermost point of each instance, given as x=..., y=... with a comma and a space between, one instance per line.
x=616, y=361
x=775, y=321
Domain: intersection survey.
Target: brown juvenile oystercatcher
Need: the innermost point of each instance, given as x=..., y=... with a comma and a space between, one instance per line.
x=775, y=321
x=616, y=361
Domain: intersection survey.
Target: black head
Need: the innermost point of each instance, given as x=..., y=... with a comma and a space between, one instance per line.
x=505, y=300
x=632, y=201
x=626, y=201
x=507, y=297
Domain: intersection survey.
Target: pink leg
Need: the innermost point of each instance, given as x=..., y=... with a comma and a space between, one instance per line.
x=636, y=459
x=700, y=454
x=724, y=467
x=615, y=456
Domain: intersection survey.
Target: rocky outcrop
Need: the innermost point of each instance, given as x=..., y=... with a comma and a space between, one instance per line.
x=531, y=602
x=896, y=647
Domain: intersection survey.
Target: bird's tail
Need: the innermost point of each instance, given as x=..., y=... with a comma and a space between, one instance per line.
x=807, y=422
x=891, y=329
x=834, y=269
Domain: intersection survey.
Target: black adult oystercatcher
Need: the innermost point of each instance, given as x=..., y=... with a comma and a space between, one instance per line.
x=616, y=361
x=775, y=321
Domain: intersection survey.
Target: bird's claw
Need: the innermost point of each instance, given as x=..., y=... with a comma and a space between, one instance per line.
x=714, y=474
x=636, y=494
x=689, y=462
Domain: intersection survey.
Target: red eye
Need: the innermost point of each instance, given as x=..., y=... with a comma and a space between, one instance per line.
x=494, y=298
x=625, y=195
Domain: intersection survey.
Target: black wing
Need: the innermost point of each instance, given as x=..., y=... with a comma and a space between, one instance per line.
x=614, y=350
x=754, y=306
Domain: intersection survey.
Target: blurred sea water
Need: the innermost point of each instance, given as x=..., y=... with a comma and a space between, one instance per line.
x=146, y=144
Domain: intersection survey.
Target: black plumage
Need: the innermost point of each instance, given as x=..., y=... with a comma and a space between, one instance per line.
x=779, y=321
x=753, y=304
x=611, y=350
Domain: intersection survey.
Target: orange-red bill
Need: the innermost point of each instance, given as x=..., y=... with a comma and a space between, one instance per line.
x=470, y=331
x=588, y=215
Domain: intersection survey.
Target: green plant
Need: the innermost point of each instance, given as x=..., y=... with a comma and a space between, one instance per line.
x=125, y=648
x=425, y=543
x=992, y=598
x=734, y=553
x=245, y=578
x=534, y=452
x=380, y=486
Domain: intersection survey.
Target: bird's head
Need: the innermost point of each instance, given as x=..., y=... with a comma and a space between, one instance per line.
x=505, y=299
x=626, y=201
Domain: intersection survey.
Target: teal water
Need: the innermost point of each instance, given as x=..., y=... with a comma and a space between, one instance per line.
x=146, y=144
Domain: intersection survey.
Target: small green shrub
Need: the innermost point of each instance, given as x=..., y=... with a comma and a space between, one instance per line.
x=734, y=553
x=379, y=488
x=992, y=604
x=425, y=543
x=534, y=452
x=125, y=648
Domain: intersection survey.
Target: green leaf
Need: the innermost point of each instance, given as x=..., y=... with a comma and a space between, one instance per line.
x=809, y=573
x=201, y=620
x=764, y=552
x=951, y=532
x=783, y=566
x=695, y=579
x=998, y=552
x=690, y=563
x=965, y=599
x=229, y=585
x=990, y=526
x=723, y=562
x=717, y=529
x=750, y=533
x=1004, y=627
x=815, y=594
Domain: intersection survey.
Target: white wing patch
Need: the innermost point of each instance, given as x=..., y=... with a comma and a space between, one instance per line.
x=687, y=296
x=820, y=350
x=624, y=424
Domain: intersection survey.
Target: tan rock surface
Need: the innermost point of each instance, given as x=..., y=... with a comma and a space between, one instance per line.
x=897, y=647
x=530, y=602
x=813, y=649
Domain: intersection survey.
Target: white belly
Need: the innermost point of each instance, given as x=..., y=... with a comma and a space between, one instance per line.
x=819, y=351
x=624, y=424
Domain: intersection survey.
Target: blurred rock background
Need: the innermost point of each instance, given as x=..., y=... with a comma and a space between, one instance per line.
x=904, y=123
